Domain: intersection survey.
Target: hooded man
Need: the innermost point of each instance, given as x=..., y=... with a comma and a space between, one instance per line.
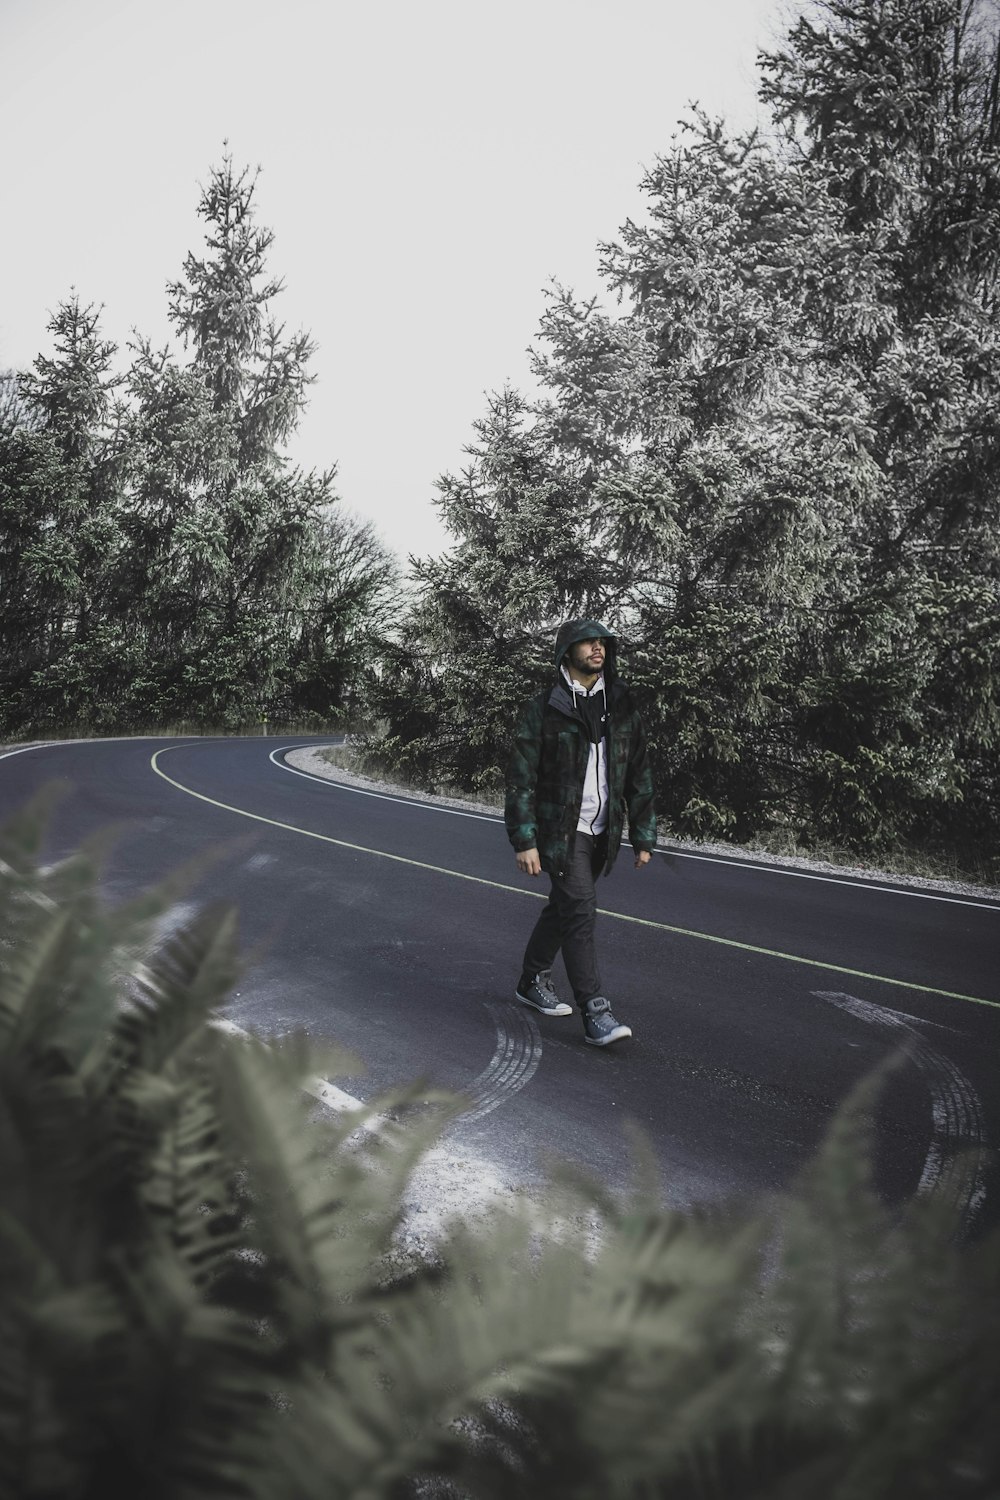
x=578, y=764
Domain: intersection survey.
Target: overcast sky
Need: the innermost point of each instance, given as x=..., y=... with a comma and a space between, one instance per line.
x=427, y=168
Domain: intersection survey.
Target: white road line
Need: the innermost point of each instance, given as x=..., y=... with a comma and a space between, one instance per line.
x=111, y=739
x=956, y=1111
x=360, y=791
x=980, y=904
x=857, y=884
x=44, y=745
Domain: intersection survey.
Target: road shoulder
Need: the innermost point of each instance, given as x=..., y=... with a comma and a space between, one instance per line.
x=310, y=759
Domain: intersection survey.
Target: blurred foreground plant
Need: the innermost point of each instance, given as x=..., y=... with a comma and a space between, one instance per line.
x=201, y=1294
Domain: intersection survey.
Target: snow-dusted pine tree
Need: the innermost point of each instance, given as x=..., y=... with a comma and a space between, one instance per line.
x=59, y=522
x=231, y=548
x=784, y=448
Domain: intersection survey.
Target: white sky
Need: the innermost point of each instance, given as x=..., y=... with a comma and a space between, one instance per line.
x=427, y=169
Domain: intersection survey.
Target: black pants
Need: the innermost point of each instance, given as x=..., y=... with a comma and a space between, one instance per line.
x=568, y=918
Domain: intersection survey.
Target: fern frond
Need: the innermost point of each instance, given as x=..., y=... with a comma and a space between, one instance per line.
x=72, y=882
x=23, y=835
x=31, y=982
x=187, y=1185
x=40, y=1441
x=157, y=1379
x=398, y=1381
x=177, y=990
x=131, y=925
x=320, y=1213
x=518, y=1322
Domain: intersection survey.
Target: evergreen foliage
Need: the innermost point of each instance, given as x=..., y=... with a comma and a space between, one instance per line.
x=200, y=1295
x=161, y=561
x=775, y=468
x=472, y=637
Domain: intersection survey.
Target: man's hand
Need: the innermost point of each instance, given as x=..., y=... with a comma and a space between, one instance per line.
x=642, y=858
x=528, y=862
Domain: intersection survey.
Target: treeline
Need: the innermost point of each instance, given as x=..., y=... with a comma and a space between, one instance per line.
x=161, y=561
x=774, y=468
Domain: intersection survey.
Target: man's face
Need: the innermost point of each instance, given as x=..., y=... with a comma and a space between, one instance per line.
x=588, y=656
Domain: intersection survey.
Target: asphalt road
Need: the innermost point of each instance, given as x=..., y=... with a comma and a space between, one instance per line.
x=758, y=996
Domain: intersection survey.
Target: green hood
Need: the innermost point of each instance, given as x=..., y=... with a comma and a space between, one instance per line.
x=584, y=630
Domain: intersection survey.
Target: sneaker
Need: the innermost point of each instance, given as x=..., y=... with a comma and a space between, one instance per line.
x=599, y=1025
x=538, y=992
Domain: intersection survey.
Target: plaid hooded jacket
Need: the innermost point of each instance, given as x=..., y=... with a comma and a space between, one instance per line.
x=548, y=763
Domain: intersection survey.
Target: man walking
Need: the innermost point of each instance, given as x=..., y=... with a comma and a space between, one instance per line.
x=578, y=763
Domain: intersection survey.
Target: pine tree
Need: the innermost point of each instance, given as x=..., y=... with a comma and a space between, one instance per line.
x=895, y=107
x=59, y=499
x=233, y=550
x=477, y=636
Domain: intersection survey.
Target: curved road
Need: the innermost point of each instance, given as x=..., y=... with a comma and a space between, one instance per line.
x=758, y=996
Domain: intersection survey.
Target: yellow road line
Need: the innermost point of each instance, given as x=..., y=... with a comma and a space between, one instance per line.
x=499, y=885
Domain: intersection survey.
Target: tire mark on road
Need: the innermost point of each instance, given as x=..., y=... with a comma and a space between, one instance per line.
x=952, y=1171
x=515, y=1059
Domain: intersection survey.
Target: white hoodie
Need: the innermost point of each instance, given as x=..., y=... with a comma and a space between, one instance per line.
x=594, y=807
